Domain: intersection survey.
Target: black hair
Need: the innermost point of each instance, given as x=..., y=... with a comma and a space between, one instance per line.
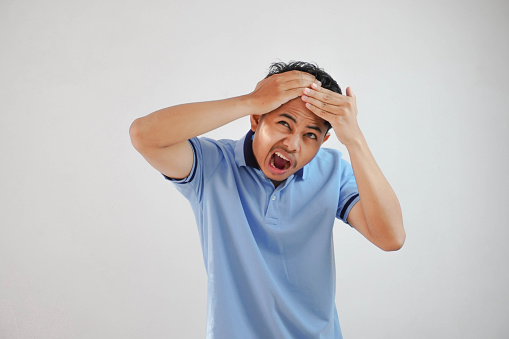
x=313, y=69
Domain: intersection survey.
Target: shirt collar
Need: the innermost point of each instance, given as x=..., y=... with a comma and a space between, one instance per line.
x=244, y=155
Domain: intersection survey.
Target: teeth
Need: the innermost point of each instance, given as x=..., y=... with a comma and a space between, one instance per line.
x=281, y=156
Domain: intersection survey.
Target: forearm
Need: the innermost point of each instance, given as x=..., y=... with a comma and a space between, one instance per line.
x=379, y=203
x=378, y=215
x=173, y=125
x=169, y=126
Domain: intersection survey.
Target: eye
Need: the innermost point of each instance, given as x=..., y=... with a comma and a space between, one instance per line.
x=312, y=135
x=284, y=123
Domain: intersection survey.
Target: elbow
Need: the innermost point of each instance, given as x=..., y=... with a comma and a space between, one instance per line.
x=394, y=244
x=136, y=134
x=394, y=238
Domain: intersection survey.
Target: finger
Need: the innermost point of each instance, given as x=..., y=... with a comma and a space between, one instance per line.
x=299, y=83
x=319, y=112
x=295, y=77
x=323, y=105
x=291, y=94
x=325, y=96
x=291, y=75
x=349, y=92
x=328, y=91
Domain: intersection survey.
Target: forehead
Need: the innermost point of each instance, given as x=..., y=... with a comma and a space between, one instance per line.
x=297, y=109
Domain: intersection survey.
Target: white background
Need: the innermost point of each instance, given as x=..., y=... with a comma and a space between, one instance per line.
x=94, y=243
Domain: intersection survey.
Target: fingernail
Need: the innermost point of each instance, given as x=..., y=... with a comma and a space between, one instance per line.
x=307, y=91
x=314, y=85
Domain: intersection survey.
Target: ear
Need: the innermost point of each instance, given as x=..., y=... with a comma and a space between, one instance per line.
x=326, y=137
x=255, y=121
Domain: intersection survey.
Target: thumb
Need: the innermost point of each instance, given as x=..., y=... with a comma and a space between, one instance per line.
x=349, y=92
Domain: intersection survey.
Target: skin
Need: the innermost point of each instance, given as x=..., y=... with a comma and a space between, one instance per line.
x=161, y=137
x=377, y=215
x=293, y=131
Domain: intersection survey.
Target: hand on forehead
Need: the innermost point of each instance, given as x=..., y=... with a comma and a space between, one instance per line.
x=297, y=108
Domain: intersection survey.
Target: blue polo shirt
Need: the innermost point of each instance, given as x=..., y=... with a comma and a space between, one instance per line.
x=268, y=252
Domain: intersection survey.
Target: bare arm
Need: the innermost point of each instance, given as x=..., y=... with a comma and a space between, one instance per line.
x=161, y=137
x=377, y=215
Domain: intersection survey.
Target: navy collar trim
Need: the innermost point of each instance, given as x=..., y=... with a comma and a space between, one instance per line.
x=250, y=159
x=249, y=156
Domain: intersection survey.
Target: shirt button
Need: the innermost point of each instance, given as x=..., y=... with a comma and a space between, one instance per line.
x=273, y=198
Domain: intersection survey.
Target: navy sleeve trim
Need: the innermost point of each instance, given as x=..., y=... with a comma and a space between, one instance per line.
x=345, y=208
x=193, y=170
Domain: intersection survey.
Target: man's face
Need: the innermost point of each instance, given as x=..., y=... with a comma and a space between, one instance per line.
x=286, y=139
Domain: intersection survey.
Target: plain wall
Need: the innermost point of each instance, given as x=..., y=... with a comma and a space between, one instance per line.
x=94, y=243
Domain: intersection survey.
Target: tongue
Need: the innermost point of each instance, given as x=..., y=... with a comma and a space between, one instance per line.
x=279, y=162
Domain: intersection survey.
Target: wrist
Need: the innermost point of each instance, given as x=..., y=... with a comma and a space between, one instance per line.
x=249, y=103
x=356, y=143
x=245, y=105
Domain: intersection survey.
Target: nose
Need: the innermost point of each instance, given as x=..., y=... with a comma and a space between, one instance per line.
x=292, y=142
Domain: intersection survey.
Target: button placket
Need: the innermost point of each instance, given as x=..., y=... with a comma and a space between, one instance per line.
x=271, y=215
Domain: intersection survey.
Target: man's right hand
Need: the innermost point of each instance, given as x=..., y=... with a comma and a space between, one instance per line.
x=161, y=137
x=276, y=90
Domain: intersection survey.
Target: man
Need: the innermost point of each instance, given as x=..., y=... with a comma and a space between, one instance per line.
x=265, y=205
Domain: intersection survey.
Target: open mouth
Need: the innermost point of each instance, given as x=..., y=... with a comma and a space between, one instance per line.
x=280, y=162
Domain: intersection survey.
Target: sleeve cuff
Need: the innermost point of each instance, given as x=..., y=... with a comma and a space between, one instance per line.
x=348, y=206
x=191, y=174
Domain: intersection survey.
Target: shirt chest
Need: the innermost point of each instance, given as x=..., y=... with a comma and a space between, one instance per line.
x=293, y=203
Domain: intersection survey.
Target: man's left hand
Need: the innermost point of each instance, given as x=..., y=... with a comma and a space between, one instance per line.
x=339, y=110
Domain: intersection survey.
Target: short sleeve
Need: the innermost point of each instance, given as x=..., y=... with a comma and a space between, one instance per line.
x=349, y=193
x=207, y=154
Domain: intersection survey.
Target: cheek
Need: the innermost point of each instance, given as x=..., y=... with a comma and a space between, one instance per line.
x=260, y=147
x=268, y=133
x=265, y=139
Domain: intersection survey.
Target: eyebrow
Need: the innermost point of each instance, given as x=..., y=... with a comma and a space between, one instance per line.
x=295, y=121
